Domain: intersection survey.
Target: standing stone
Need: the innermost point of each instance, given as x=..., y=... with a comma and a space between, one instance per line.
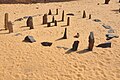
x=56, y=11
x=91, y=41
x=30, y=22
x=65, y=34
x=45, y=19
x=63, y=15
x=53, y=19
x=55, y=22
x=75, y=46
x=10, y=27
x=50, y=12
x=89, y=16
x=6, y=21
x=49, y=24
x=68, y=21
x=107, y=1
x=84, y=14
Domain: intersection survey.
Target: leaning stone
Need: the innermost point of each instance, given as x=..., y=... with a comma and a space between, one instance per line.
x=29, y=39
x=106, y=26
x=75, y=46
x=97, y=20
x=46, y=43
x=111, y=31
x=105, y=45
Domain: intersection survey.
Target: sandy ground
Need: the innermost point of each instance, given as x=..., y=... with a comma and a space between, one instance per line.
x=32, y=61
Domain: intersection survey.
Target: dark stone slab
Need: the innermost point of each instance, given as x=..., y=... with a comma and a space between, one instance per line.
x=84, y=14
x=46, y=43
x=70, y=14
x=29, y=39
x=106, y=26
x=75, y=46
x=105, y=45
x=97, y=20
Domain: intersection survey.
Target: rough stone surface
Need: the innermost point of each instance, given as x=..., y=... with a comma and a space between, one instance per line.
x=29, y=39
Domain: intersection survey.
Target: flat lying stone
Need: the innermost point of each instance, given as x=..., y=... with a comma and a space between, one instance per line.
x=105, y=45
x=110, y=36
x=106, y=26
x=97, y=20
x=110, y=31
x=71, y=14
x=29, y=39
x=46, y=43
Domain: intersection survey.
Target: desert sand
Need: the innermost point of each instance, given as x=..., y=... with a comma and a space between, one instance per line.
x=32, y=61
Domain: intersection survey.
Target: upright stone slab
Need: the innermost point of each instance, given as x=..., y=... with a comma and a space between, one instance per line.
x=89, y=16
x=53, y=19
x=91, y=41
x=75, y=46
x=56, y=11
x=84, y=14
x=107, y=1
x=49, y=24
x=50, y=12
x=45, y=19
x=63, y=14
x=10, y=27
x=65, y=34
x=68, y=21
x=6, y=21
x=30, y=22
x=55, y=23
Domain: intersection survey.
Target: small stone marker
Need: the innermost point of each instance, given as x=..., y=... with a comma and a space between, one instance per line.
x=63, y=15
x=55, y=22
x=65, y=34
x=107, y=1
x=53, y=19
x=91, y=41
x=89, y=16
x=68, y=21
x=105, y=45
x=30, y=22
x=6, y=21
x=50, y=12
x=75, y=46
x=97, y=20
x=45, y=19
x=77, y=36
x=10, y=27
x=49, y=24
x=56, y=11
x=84, y=14
x=29, y=39
x=46, y=44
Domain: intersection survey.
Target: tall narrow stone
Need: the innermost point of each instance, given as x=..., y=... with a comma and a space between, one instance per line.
x=68, y=21
x=65, y=34
x=45, y=19
x=50, y=12
x=84, y=14
x=6, y=21
x=75, y=46
x=107, y=1
x=56, y=11
x=53, y=19
x=55, y=23
x=10, y=27
x=30, y=22
x=89, y=16
x=91, y=41
x=63, y=15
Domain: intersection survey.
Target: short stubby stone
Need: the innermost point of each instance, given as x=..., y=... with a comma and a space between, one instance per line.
x=106, y=26
x=46, y=43
x=29, y=39
x=97, y=20
x=105, y=45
